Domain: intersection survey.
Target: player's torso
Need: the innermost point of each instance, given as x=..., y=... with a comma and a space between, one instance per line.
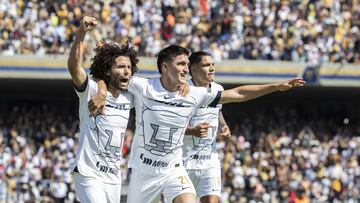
x=111, y=125
x=201, y=152
x=161, y=126
x=101, y=138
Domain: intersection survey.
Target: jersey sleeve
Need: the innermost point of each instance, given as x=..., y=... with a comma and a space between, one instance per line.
x=219, y=89
x=137, y=85
x=211, y=98
x=90, y=89
x=87, y=89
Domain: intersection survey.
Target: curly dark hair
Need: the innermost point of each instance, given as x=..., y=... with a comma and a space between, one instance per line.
x=105, y=55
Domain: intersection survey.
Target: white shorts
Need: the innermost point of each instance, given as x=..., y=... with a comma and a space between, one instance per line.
x=89, y=189
x=206, y=181
x=144, y=188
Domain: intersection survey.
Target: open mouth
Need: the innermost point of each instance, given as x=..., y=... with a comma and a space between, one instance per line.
x=124, y=80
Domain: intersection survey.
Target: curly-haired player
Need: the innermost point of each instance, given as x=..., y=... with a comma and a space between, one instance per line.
x=97, y=166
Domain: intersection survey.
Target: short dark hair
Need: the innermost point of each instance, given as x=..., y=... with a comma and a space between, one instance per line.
x=105, y=55
x=169, y=53
x=195, y=58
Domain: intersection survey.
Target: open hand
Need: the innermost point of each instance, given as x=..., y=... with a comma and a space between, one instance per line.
x=184, y=89
x=295, y=82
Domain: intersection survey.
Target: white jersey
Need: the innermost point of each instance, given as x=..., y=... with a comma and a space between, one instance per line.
x=200, y=153
x=161, y=120
x=101, y=137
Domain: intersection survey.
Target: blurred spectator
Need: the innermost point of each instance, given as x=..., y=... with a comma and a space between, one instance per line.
x=277, y=156
x=312, y=31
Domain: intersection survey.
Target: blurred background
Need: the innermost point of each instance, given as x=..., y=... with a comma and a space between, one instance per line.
x=298, y=146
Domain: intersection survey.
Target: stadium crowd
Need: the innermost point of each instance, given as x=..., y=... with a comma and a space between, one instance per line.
x=277, y=156
x=291, y=30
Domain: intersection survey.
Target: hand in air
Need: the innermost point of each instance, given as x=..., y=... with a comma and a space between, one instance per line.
x=88, y=23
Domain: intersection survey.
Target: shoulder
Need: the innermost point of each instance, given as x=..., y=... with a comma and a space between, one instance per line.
x=127, y=95
x=136, y=79
x=216, y=87
x=198, y=92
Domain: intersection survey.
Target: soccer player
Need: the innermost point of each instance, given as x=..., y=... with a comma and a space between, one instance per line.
x=200, y=157
x=161, y=119
x=97, y=165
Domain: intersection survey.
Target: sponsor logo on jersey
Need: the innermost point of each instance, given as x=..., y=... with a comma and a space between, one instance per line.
x=177, y=104
x=153, y=163
x=206, y=107
x=201, y=157
x=106, y=169
x=119, y=107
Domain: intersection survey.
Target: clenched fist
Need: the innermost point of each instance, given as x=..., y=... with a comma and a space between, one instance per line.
x=88, y=23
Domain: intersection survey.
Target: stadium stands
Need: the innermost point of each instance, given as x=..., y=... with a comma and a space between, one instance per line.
x=275, y=155
x=303, y=152
x=312, y=31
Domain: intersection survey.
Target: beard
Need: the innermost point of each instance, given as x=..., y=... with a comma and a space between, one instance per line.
x=119, y=83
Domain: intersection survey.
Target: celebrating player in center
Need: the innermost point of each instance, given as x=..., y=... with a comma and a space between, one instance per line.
x=161, y=119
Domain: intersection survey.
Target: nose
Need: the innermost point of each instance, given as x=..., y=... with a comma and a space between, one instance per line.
x=186, y=69
x=127, y=71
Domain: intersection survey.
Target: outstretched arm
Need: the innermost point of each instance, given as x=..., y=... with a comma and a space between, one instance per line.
x=77, y=73
x=249, y=92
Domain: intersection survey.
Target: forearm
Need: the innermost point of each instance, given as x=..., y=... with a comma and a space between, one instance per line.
x=75, y=59
x=102, y=85
x=247, y=92
x=190, y=131
x=222, y=121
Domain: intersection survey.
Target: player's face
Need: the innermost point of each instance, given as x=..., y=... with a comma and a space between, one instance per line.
x=178, y=68
x=205, y=70
x=120, y=73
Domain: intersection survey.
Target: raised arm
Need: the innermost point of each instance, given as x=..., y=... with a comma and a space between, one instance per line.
x=249, y=92
x=77, y=73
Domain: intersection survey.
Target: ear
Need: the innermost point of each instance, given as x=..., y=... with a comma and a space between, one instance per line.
x=164, y=66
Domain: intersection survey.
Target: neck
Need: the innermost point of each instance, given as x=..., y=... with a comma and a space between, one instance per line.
x=115, y=92
x=171, y=87
x=198, y=83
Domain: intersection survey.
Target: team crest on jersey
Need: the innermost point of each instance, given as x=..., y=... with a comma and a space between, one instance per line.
x=109, y=140
x=203, y=144
x=161, y=135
